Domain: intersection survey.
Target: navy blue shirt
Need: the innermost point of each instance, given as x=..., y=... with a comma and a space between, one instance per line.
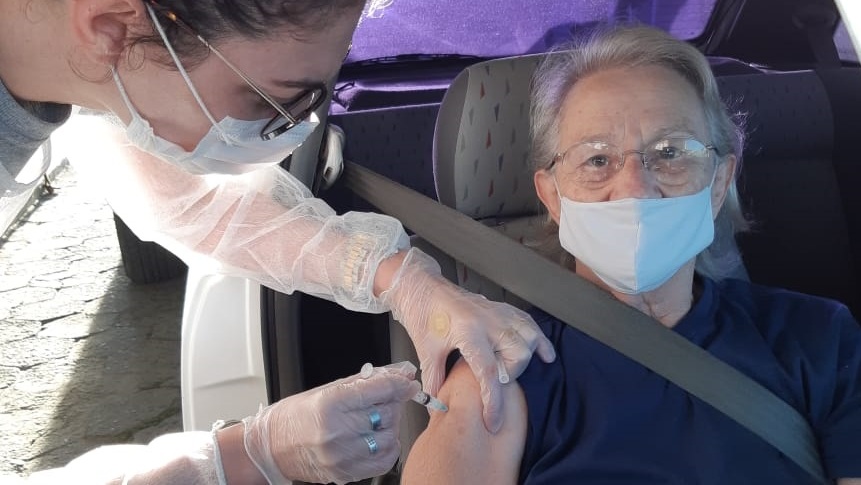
x=597, y=417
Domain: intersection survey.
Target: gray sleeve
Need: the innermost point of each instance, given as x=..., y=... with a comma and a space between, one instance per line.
x=24, y=127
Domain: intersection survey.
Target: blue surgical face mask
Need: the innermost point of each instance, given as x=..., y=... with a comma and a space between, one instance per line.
x=231, y=146
x=637, y=245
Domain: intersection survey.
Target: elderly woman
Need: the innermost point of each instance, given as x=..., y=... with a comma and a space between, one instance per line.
x=636, y=159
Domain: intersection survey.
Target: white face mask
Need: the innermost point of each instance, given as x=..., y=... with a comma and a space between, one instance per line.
x=637, y=245
x=231, y=146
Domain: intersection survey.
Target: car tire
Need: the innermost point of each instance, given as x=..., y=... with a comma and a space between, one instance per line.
x=146, y=262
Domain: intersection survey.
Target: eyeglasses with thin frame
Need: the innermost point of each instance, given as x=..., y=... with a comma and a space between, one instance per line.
x=675, y=161
x=289, y=114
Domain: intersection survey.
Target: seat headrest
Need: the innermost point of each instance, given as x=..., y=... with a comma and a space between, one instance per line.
x=481, y=140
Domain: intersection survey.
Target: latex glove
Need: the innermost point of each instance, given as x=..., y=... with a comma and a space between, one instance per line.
x=319, y=435
x=496, y=339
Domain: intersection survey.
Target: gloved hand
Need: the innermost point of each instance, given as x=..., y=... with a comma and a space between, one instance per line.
x=320, y=435
x=496, y=339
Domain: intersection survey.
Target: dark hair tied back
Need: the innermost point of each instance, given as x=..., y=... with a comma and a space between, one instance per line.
x=219, y=19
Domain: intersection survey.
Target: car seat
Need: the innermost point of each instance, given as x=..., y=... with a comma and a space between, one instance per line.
x=799, y=179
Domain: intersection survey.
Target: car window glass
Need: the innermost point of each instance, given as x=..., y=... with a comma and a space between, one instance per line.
x=845, y=49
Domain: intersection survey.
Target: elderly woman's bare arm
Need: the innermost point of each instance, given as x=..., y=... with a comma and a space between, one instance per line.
x=457, y=448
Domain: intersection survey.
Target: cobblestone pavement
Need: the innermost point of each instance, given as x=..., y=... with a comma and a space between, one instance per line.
x=86, y=357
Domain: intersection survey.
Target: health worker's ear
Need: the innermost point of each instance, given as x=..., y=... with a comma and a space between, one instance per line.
x=545, y=186
x=100, y=27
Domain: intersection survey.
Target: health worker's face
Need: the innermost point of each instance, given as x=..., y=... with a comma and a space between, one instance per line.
x=282, y=66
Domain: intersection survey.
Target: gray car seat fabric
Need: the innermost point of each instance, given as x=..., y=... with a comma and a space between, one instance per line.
x=382, y=140
x=481, y=141
x=844, y=93
x=481, y=157
x=800, y=238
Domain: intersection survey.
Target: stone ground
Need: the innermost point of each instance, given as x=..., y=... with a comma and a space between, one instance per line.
x=86, y=357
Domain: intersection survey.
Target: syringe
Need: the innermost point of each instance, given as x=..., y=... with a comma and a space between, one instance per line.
x=429, y=401
x=421, y=397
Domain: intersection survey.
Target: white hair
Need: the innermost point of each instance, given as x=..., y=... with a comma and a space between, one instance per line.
x=634, y=46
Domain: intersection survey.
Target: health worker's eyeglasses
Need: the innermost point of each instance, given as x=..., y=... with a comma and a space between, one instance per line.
x=289, y=114
x=674, y=161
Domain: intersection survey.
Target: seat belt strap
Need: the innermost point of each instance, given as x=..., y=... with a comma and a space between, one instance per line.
x=596, y=313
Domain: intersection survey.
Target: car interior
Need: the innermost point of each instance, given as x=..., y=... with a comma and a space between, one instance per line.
x=429, y=122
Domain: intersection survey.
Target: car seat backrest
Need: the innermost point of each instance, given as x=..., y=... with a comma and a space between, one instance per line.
x=481, y=141
x=843, y=86
x=396, y=143
x=800, y=234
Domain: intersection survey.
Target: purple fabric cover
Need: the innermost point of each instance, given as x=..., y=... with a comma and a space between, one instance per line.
x=491, y=28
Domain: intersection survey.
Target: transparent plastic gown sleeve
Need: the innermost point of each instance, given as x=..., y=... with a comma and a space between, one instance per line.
x=264, y=225
x=186, y=458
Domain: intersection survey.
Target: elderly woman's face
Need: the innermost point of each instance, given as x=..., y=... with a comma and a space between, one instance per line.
x=610, y=114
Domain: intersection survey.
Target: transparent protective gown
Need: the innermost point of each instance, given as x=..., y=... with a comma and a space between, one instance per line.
x=264, y=225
